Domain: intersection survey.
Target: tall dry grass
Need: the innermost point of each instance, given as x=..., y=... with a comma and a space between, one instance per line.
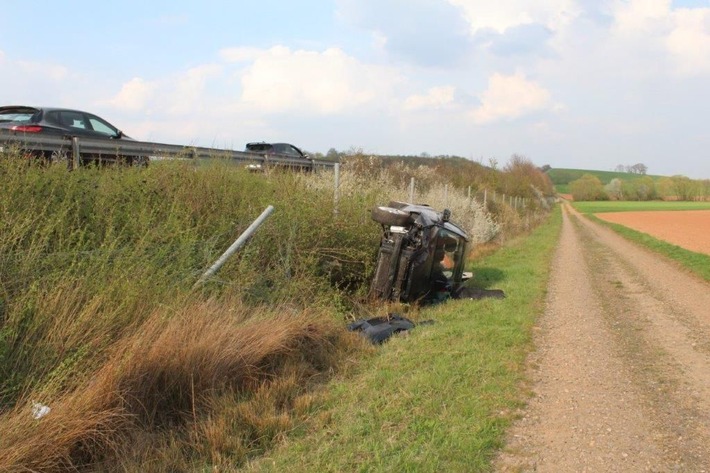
x=214, y=378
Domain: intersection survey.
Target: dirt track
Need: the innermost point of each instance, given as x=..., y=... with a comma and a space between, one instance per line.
x=621, y=375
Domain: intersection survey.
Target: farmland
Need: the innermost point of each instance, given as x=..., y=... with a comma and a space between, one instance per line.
x=674, y=229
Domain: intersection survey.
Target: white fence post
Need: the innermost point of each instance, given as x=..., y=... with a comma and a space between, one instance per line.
x=336, y=190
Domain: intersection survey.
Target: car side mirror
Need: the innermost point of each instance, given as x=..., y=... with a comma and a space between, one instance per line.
x=119, y=134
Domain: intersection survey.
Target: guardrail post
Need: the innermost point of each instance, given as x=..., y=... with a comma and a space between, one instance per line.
x=75, y=161
x=411, y=191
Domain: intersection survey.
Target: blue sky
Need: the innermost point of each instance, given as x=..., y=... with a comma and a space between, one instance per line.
x=570, y=83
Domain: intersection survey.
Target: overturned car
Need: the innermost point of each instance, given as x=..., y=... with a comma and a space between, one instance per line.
x=422, y=254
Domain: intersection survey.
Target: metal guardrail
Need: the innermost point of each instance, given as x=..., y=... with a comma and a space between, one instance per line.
x=82, y=148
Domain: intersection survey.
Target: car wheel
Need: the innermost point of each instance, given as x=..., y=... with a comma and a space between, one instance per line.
x=390, y=216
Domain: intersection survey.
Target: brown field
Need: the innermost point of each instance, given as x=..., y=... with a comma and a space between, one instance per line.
x=689, y=229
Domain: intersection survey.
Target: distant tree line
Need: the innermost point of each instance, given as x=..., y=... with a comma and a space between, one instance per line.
x=590, y=187
x=638, y=168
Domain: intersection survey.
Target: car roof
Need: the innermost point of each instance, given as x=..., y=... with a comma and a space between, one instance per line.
x=44, y=109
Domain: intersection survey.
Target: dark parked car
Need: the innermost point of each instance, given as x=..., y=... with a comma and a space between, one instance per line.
x=57, y=121
x=422, y=254
x=280, y=150
x=285, y=150
x=60, y=122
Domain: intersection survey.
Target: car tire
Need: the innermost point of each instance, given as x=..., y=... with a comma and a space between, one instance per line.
x=390, y=216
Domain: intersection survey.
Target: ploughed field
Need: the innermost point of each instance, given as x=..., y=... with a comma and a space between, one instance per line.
x=689, y=229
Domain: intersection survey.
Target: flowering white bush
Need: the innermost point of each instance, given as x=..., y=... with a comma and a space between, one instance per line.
x=381, y=186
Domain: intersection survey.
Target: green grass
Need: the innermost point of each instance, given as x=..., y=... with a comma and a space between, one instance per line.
x=441, y=398
x=636, y=206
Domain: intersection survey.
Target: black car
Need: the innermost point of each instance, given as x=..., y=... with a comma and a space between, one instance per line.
x=64, y=122
x=57, y=121
x=300, y=160
x=285, y=150
x=422, y=254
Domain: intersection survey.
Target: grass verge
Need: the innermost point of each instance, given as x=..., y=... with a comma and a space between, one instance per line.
x=441, y=398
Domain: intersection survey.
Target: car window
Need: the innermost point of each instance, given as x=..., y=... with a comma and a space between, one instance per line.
x=52, y=117
x=101, y=126
x=258, y=146
x=283, y=148
x=15, y=116
x=72, y=120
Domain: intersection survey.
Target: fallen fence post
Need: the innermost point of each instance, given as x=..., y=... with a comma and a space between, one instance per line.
x=243, y=238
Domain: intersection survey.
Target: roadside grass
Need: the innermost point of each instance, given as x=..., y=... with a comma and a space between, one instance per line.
x=99, y=320
x=440, y=398
x=636, y=206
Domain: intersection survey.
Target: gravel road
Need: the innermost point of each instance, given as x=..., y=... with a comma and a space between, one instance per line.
x=620, y=379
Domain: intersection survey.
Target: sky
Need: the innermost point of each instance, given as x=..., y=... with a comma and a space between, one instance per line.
x=589, y=84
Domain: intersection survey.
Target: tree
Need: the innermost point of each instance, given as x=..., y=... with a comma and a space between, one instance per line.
x=684, y=187
x=614, y=189
x=587, y=187
x=638, y=168
x=332, y=154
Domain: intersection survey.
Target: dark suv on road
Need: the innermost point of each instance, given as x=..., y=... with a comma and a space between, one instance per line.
x=285, y=150
x=422, y=254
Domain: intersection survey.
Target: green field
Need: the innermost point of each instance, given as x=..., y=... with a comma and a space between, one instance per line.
x=635, y=206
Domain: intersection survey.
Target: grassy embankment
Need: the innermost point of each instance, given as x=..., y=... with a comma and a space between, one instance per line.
x=697, y=263
x=99, y=321
x=441, y=398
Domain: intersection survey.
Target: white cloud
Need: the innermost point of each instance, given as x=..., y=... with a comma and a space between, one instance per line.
x=240, y=54
x=54, y=72
x=641, y=16
x=510, y=97
x=681, y=34
x=689, y=42
x=504, y=14
x=282, y=80
x=435, y=98
x=190, y=88
x=134, y=95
